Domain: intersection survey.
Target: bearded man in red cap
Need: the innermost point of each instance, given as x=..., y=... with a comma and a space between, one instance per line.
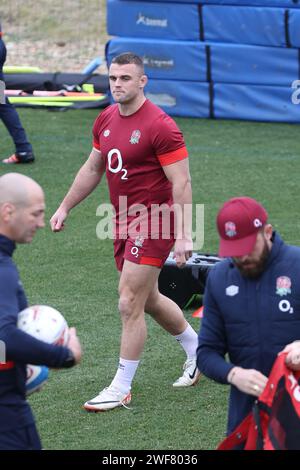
x=251, y=306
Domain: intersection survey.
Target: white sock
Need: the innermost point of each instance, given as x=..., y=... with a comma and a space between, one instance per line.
x=189, y=341
x=124, y=375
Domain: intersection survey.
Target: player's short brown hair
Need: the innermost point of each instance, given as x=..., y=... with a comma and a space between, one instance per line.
x=129, y=58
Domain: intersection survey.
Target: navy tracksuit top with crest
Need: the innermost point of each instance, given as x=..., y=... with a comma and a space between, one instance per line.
x=250, y=320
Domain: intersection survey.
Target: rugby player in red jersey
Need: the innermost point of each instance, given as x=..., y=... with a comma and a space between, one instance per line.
x=143, y=154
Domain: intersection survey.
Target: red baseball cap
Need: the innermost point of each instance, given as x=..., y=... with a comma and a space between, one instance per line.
x=238, y=222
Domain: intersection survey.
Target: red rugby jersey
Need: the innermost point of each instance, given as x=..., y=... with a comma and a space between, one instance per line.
x=135, y=148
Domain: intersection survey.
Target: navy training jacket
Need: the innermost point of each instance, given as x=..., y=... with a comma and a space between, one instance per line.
x=250, y=320
x=21, y=348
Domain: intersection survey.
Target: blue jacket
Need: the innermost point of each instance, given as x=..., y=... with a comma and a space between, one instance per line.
x=250, y=320
x=21, y=349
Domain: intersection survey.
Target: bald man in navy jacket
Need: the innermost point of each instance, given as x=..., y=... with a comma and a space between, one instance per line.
x=22, y=209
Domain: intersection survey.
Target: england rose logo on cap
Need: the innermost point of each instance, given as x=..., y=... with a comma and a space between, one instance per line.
x=230, y=229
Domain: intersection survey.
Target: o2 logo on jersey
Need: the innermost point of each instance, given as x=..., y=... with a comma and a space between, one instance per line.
x=115, y=163
x=285, y=306
x=135, y=251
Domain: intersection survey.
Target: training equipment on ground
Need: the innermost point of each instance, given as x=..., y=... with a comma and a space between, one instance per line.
x=60, y=98
x=199, y=312
x=185, y=284
x=55, y=81
x=44, y=323
x=36, y=378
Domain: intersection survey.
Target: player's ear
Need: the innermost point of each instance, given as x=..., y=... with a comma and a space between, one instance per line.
x=6, y=211
x=143, y=81
x=268, y=231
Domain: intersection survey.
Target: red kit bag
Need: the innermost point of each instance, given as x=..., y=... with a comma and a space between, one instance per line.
x=274, y=423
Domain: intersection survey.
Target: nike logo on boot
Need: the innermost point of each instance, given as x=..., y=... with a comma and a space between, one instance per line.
x=192, y=376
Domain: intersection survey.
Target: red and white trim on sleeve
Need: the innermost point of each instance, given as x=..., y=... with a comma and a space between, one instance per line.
x=173, y=157
x=96, y=145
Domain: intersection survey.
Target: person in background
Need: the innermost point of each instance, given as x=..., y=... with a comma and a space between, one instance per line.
x=251, y=306
x=11, y=120
x=145, y=159
x=22, y=210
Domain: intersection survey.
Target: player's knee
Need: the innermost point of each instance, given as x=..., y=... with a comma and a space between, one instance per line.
x=127, y=305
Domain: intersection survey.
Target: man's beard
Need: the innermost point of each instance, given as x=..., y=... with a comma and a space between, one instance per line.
x=259, y=266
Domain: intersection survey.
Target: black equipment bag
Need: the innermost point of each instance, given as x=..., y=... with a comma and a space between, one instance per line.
x=183, y=284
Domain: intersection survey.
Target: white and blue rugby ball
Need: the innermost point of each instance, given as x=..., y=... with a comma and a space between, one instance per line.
x=44, y=323
x=37, y=376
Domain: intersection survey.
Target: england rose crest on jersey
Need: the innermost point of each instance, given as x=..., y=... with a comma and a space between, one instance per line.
x=283, y=285
x=135, y=137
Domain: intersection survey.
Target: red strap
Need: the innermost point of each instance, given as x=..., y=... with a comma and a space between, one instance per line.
x=7, y=365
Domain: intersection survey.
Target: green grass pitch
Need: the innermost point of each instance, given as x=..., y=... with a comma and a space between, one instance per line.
x=74, y=272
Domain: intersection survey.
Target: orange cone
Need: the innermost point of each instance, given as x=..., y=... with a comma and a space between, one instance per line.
x=198, y=313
